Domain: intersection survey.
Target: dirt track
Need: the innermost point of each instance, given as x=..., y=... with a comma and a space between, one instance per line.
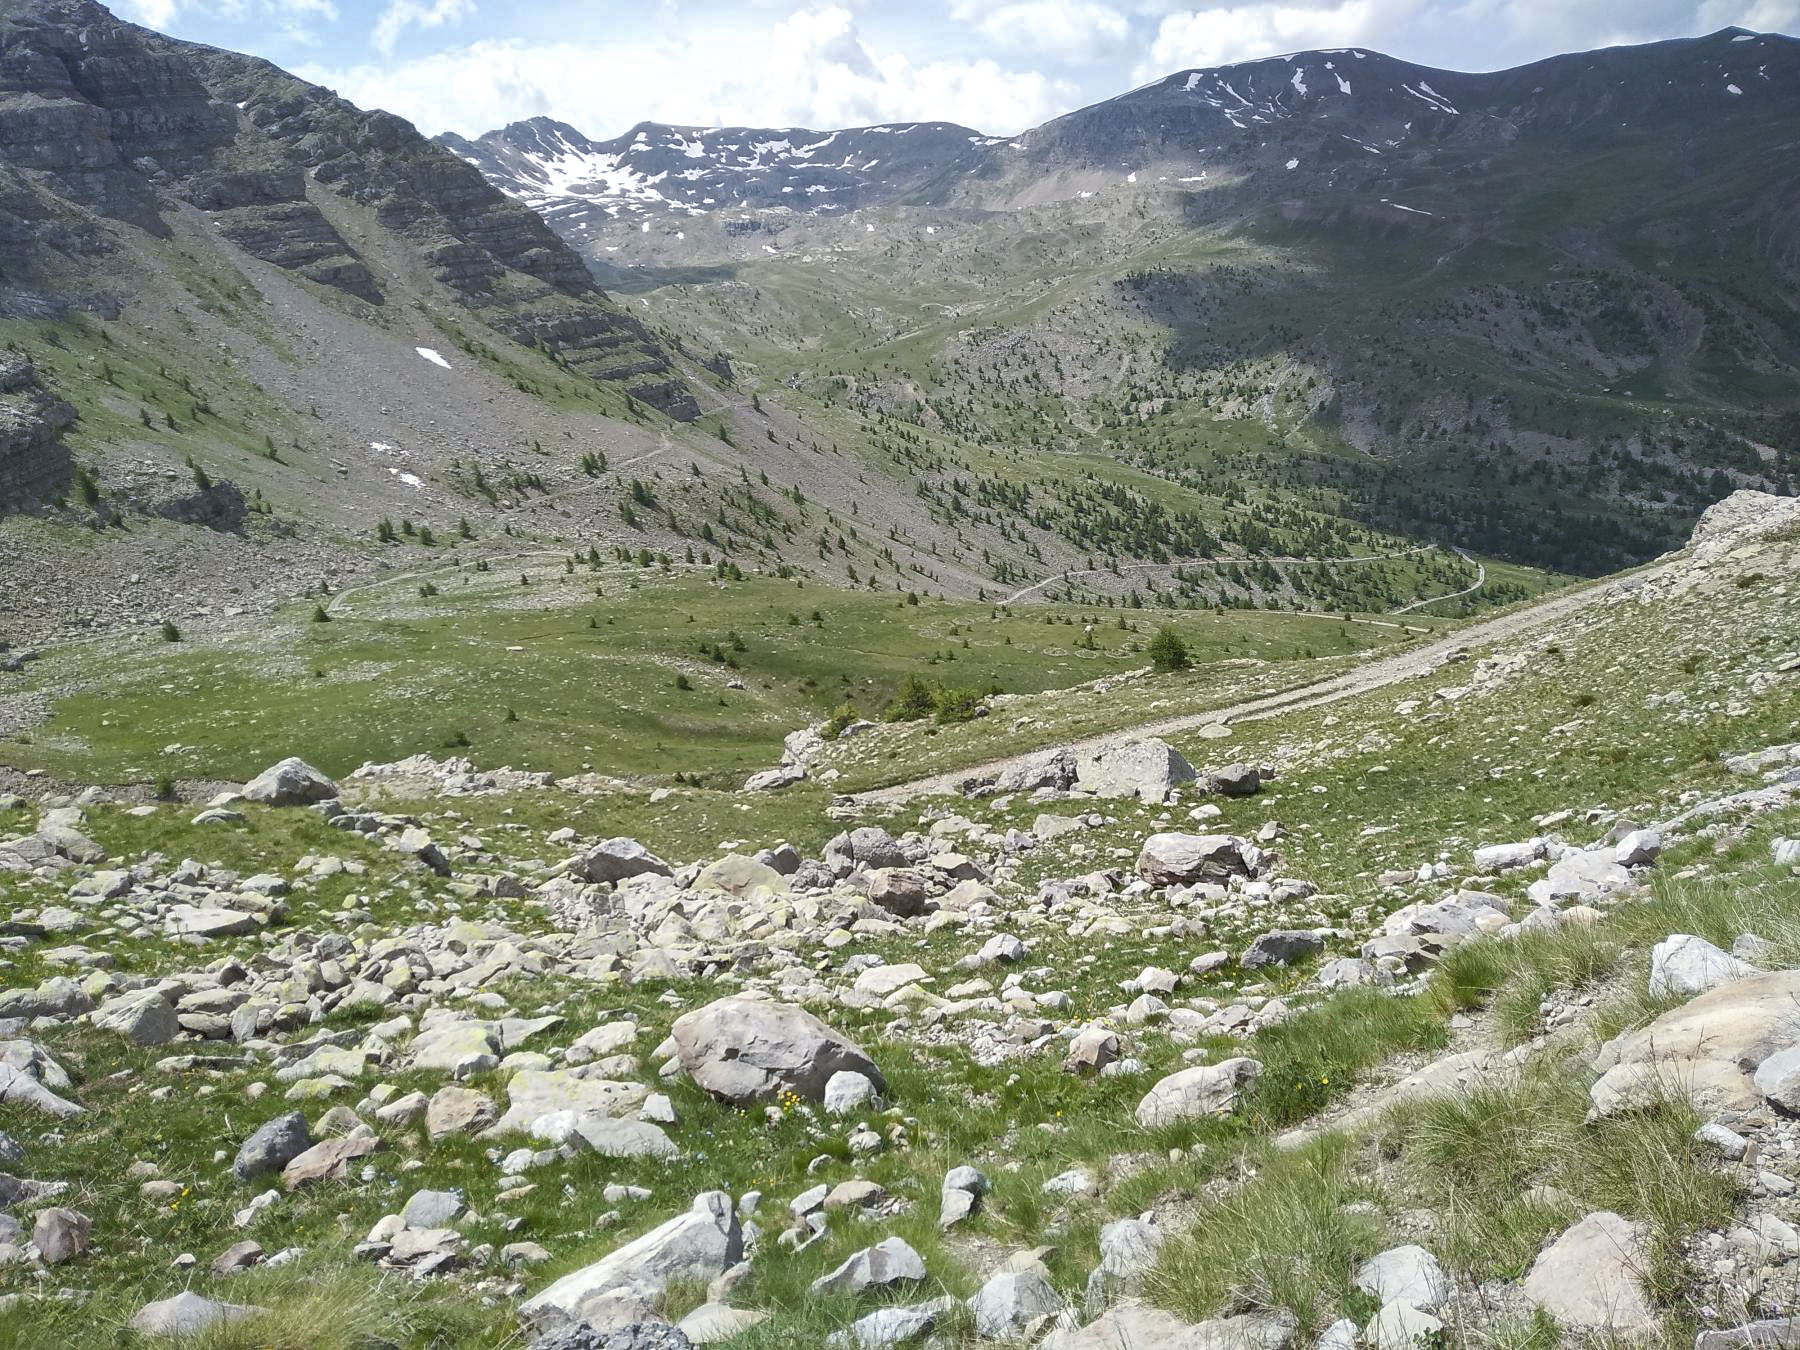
x=1376, y=674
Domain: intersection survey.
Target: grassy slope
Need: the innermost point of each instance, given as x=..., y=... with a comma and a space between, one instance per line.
x=1364, y=787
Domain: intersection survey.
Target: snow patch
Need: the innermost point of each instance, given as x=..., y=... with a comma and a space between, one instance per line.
x=1343, y=85
x=1293, y=164
x=433, y=356
x=1299, y=81
x=1733, y=89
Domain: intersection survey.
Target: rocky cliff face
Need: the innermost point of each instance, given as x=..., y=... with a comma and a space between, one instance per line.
x=33, y=462
x=126, y=124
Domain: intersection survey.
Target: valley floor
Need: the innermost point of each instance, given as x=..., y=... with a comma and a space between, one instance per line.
x=1454, y=1008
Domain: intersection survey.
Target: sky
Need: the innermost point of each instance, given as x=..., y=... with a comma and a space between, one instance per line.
x=999, y=66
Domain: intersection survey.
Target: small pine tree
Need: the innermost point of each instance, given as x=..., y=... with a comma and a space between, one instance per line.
x=320, y=614
x=170, y=633
x=1168, y=652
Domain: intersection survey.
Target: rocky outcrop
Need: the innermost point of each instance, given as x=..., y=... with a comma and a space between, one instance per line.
x=33, y=461
x=125, y=122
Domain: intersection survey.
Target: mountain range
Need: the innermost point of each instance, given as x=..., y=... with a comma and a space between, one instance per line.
x=260, y=342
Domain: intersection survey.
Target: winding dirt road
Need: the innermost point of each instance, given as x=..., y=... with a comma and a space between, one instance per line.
x=1376, y=674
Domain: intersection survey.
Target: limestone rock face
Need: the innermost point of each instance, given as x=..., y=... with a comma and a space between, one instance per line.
x=748, y=1049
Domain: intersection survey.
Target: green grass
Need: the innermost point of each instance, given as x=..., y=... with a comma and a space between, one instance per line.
x=589, y=680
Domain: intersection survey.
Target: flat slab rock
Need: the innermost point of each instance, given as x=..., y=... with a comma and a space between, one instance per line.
x=1134, y=1328
x=1708, y=1047
x=1588, y=1278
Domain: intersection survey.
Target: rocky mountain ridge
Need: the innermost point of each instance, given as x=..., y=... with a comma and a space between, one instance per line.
x=116, y=120
x=1341, y=112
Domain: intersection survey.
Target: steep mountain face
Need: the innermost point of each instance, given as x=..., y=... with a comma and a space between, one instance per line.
x=33, y=459
x=119, y=122
x=1548, y=313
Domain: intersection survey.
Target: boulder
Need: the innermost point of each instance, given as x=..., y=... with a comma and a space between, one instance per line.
x=272, y=1146
x=616, y=859
x=328, y=1161
x=1706, y=1048
x=19, y=1087
x=746, y=1049
x=1683, y=965
x=143, y=1017
x=1054, y=770
x=890, y=1261
x=187, y=1314
x=1401, y=1325
x=1588, y=1278
x=900, y=1324
x=1204, y=1090
x=698, y=1246
x=738, y=875
x=60, y=1235
x=1282, y=947
x=1174, y=859
x=293, y=782
x=848, y=1091
x=533, y=1094
x=1146, y=769
x=1011, y=1303
x=459, y=1110
x=1237, y=780
x=867, y=848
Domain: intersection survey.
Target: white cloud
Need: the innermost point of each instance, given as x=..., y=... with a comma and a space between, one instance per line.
x=289, y=16
x=403, y=14
x=1221, y=36
x=1067, y=30
x=810, y=68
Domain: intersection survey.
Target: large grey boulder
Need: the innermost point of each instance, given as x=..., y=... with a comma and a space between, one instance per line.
x=1580, y=877
x=746, y=1049
x=143, y=1017
x=1052, y=769
x=1683, y=965
x=272, y=1146
x=616, y=859
x=1204, y=1090
x=19, y=1088
x=1237, y=780
x=699, y=1245
x=1588, y=1279
x=1175, y=859
x=1282, y=947
x=293, y=782
x=900, y=1324
x=1146, y=769
x=187, y=1314
x=866, y=848
x=648, y=1334
x=60, y=1235
x=1013, y=1302
x=890, y=1261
